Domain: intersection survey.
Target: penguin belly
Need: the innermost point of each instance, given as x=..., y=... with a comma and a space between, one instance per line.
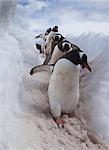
x=63, y=90
x=56, y=55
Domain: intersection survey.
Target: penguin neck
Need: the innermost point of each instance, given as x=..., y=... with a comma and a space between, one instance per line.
x=67, y=68
x=73, y=56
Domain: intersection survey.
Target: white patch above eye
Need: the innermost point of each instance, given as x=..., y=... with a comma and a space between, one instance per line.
x=59, y=36
x=70, y=49
x=63, y=44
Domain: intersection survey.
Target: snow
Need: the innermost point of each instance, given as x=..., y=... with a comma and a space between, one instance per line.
x=91, y=43
x=94, y=87
x=25, y=121
x=95, y=94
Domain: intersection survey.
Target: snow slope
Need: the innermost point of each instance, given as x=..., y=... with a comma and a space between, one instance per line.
x=94, y=89
x=25, y=121
x=95, y=94
x=91, y=43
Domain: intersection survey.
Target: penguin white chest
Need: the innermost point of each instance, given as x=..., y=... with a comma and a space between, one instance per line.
x=63, y=88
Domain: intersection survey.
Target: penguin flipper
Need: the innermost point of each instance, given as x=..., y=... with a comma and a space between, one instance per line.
x=40, y=68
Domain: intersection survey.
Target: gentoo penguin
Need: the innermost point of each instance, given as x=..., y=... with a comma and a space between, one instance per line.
x=48, y=43
x=63, y=90
x=44, y=38
x=57, y=37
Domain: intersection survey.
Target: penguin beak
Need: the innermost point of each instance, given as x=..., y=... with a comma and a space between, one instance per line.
x=84, y=62
x=87, y=66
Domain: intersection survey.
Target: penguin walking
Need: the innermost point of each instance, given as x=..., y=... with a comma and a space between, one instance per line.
x=63, y=90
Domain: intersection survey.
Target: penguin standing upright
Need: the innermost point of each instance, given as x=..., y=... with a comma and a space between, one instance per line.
x=63, y=90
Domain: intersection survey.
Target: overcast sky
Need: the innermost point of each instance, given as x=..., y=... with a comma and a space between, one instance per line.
x=72, y=16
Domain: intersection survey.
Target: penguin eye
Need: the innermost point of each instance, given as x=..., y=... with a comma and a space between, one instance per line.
x=66, y=47
x=56, y=38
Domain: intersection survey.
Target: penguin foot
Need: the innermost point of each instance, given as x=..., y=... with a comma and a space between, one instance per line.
x=60, y=122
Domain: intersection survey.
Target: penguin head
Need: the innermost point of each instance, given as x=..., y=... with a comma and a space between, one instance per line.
x=55, y=29
x=57, y=37
x=48, y=30
x=75, y=58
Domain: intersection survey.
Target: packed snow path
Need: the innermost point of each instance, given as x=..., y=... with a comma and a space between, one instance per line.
x=25, y=121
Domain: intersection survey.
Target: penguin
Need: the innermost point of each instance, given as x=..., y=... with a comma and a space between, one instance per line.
x=57, y=37
x=44, y=38
x=63, y=89
x=48, y=43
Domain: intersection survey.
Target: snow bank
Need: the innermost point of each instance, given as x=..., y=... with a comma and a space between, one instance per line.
x=95, y=94
x=91, y=43
x=25, y=121
x=7, y=8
